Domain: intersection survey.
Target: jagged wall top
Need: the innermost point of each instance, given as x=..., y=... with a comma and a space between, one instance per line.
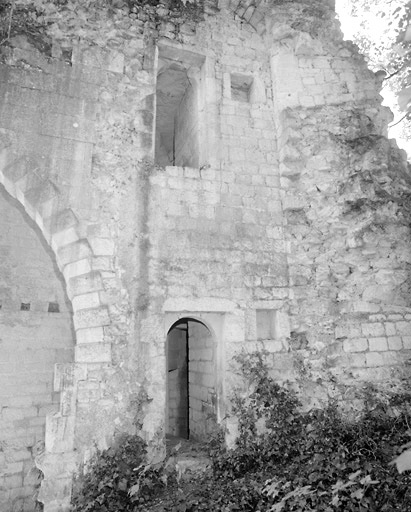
x=102, y=23
x=258, y=13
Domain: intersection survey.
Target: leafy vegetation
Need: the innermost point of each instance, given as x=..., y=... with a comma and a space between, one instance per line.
x=317, y=460
x=284, y=460
x=117, y=479
x=382, y=31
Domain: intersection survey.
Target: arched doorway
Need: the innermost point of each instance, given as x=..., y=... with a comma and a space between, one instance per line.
x=191, y=380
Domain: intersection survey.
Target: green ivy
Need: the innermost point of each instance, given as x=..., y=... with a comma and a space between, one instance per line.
x=285, y=459
x=117, y=479
x=316, y=460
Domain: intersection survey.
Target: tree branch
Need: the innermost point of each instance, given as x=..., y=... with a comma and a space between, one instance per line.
x=401, y=68
x=398, y=122
x=13, y=5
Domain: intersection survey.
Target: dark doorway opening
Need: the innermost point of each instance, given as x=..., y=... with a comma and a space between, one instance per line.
x=191, y=397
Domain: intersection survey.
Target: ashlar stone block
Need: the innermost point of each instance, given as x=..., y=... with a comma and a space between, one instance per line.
x=93, y=353
x=101, y=246
x=394, y=342
x=84, y=284
x=90, y=335
x=406, y=340
x=355, y=345
x=94, y=317
x=373, y=329
x=86, y=301
x=403, y=328
x=378, y=344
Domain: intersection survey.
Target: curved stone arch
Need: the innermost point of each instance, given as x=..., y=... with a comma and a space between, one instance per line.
x=214, y=319
x=74, y=255
x=80, y=260
x=193, y=357
x=196, y=318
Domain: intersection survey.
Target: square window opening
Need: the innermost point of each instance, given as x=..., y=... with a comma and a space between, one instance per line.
x=241, y=87
x=265, y=324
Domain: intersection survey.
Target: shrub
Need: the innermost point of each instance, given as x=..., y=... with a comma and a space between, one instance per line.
x=285, y=460
x=316, y=460
x=117, y=479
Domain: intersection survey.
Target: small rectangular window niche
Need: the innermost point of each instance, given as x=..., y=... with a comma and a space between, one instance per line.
x=265, y=324
x=53, y=307
x=241, y=87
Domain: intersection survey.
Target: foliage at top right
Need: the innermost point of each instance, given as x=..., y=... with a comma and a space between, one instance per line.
x=382, y=31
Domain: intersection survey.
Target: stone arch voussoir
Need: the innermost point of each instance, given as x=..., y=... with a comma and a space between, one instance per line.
x=80, y=260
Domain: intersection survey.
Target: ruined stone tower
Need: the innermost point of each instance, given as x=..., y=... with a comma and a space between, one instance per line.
x=175, y=188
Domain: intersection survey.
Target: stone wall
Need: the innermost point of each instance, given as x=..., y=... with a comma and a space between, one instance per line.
x=343, y=191
x=349, y=243
x=291, y=234
x=36, y=332
x=48, y=138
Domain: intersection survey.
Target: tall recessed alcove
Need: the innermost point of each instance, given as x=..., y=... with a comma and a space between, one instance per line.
x=178, y=134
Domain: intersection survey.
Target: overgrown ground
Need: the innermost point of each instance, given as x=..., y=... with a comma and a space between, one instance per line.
x=285, y=460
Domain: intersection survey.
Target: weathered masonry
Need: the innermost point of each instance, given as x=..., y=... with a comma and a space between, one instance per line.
x=172, y=193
